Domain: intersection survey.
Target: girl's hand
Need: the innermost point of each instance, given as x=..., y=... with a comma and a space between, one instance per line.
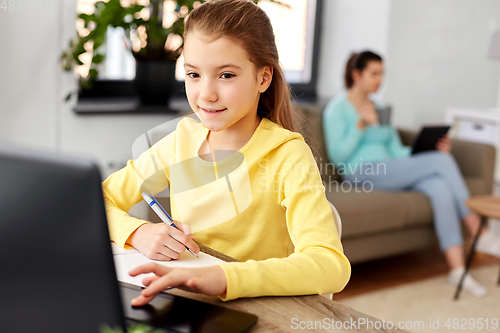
x=160, y=241
x=368, y=116
x=444, y=144
x=209, y=280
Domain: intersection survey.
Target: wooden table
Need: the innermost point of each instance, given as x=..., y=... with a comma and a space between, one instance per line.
x=276, y=313
x=486, y=206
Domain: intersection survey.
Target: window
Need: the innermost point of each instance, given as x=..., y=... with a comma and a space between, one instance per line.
x=296, y=30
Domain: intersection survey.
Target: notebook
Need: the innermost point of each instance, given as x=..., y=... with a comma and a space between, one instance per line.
x=125, y=260
x=58, y=273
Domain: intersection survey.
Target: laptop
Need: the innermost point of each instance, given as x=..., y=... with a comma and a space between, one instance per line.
x=56, y=262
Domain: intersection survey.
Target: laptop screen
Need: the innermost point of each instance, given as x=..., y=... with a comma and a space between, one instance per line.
x=57, y=271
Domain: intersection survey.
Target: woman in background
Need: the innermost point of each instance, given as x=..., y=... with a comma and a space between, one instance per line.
x=353, y=136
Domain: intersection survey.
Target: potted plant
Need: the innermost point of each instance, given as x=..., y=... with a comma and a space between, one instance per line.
x=155, y=58
x=155, y=61
x=136, y=328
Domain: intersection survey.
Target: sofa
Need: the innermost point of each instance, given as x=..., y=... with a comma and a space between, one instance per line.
x=379, y=224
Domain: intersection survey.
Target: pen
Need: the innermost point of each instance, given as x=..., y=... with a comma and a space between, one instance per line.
x=162, y=214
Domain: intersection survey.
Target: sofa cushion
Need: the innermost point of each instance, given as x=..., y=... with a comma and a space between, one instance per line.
x=381, y=245
x=379, y=211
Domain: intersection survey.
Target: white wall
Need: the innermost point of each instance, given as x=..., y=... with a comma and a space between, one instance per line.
x=349, y=25
x=437, y=57
x=28, y=76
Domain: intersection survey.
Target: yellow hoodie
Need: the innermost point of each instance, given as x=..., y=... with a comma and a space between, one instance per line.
x=264, y=205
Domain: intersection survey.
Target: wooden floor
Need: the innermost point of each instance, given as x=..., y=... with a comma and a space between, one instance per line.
x=395, y=271
x=391, y=272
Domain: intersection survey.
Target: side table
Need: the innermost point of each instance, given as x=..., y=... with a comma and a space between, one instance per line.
x=486, y=206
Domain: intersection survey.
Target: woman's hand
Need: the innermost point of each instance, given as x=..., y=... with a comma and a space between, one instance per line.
x=368, y=116
x=444, y=144
x=209, y=280
x=159, y=241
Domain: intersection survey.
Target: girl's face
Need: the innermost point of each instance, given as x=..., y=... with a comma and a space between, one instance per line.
x=220, y=77
x=370, y=78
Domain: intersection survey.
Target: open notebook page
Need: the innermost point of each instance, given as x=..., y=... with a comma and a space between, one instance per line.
x=126, y=260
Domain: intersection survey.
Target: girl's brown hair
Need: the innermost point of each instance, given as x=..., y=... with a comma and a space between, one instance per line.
x=247, y=24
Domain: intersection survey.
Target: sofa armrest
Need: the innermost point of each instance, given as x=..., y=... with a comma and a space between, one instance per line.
x=475, y=160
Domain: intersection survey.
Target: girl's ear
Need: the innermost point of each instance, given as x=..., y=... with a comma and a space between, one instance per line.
x=265, y=78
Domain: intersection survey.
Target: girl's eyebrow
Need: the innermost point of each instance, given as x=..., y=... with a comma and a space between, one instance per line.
x=229, y=66
x=219, y=67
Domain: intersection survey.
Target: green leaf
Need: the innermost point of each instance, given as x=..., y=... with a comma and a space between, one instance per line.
x=66, y=99
x=98, y=41
x=136, y=328
x=99, y=4
x=139, y=21
x=281, y=3
x=77, y=59
x=97, y=58
x=134, y=9
x=80, y=49
x=93, y=74
x=86, y=84
x=87, y=18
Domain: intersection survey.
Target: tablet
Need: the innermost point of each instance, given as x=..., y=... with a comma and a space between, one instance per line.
x=183, y=315
x=428, y=137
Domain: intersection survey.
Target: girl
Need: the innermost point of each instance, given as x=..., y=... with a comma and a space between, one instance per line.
x=243, y=180
x=352, y=136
